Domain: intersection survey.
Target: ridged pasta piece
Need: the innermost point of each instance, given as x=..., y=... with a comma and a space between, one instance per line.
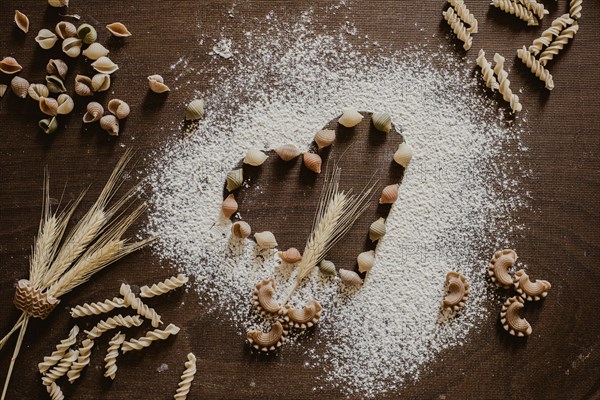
x=535, y=7
x=151, y=336
x=463, y=12
x=504, y=83
x=575, y=8
x=112, y=323
x=61, y=350
x=138, y=305
x=61, y=368
x=100, y=307
x=55, y=392
x=83, y=359
x=536, y=67
x=111, y=355
x=518, y=10
x=559, y=43
x=487, y=71
x=186, y=378
x=458, y=27
x=163, y=287
x=557, y=26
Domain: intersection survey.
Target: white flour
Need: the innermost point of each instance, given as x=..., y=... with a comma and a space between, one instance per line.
x=284, y=83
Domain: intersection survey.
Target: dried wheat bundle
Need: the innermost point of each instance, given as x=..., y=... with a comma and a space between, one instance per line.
x=60, y=262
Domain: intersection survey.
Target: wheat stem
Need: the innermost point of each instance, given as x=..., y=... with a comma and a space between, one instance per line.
x=13, y=330
x=15, y=354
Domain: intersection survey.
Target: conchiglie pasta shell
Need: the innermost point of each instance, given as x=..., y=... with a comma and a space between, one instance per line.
x=324, y=138
x=366, y=260
x=65, y=104
x=110, y=124
x=3, y=88
x=87, y=33
x=117, y=29
x=55, y=84
x=119, y=108
x=195, y=110
x=255, y=157
x=290, y=256
x=94, y=112
x=83, y=85
x=46, y=39
x=57, y=67
x=58, y=3
x=350, y=118
x=229, y=206
x=235, y=178
x=350, y=277
x=313, y=162
x=72, y=47
x=327, y=267
x=377, y=230
x=265, y=240
x=19, y=86
x=49, y=125
x=65, y=30
x=22, y=21
x=382, y=122
x=156, y=84
x=100, y=82
x=241, y=229
x=389, y=194
x=48, y=106
x=104, y=65
x=404, y=154
x=287, y=152
x=9, y=66
x=95, y=51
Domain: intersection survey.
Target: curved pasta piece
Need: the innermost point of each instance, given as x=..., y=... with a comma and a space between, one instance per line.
x=532, y=291
x=545, y=39
x=152, y=336
x=487, y=71
x=268, y=341
x=457, y=292
x=55, y=392
x=111, y=355
x=61, y=369
x=559, y=43
x=263, y=297
x=498, y=268
x=504, y=84
x=510, y=319
x=518, y=10
x=305, y=317
x=112, y=323
x=575, y=8
x=464, y=14
x=83, y=360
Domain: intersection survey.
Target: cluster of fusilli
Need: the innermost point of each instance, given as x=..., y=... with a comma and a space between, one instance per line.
x=497, y=78
x=457, y=15
x=526, y=10
x=70, y=362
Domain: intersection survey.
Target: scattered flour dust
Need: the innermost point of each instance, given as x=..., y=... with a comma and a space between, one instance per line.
x=454, y=209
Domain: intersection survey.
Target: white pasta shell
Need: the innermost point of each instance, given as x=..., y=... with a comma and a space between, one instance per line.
x=58, y=3
x=49, y=125
x=104, y=65
x=87, y=33
x=65, y=30
x=287, y=152
x=313, y=162
x=55, y=84
x=94, y=112
x=22, y=21
x=46, y=39
x=100, y=82
x=366, y=260
x=389, y=194
x=235, y=178
x=265, y=240
x=255, y=157
x=327, y=267
x=57, y=67
x=350, y=118
x=95, y=51
x=117, y=29
x=19, y=86
x=65, y=104
x=241, y=229
x=48, y=106
x=83, y=85
x=377, y=229
x=157, y=85
x=9, y=66
x=229, y=206
x=404, y=154
x=195, y=110
x=324, y=138
x=382, y=122
x=37, y=90
x=110, y=124
x=350, y=277
x=72, y=46
x=290, y=256
x=3, y=88
x=119, y=108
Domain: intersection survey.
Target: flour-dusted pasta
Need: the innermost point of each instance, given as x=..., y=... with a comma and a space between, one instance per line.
x=163, y=287
x=458, y=27
x=112, y=354
x=139, y=306
x=112, y=323
x=100, y=307
x=535, y=7
x=536, y=67
x=518, y=10
x=575, y=8
x=486, y=71
x=463, y=12
x=152, y=336
x=186, y=378
x=83, y=360
x=61, y=368
x=61, y=350
x=55, y=392
x=504, y=83
x=559, y=43
x=557, y=26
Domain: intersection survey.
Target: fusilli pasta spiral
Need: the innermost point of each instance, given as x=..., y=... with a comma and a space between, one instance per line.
x=575, y=8
x=458, y=27
x=516, y=9
x=61, y=369
x=487, y=71
x=139, y=306
x=152, y=336
x=163, y=287
x=504, y=83
x=463, y=12
x=112, y=323
x=61, y=350
x=559, y=43
x=100, y=307
x=82, y=360
x=112, y=354
x=186, y=378
x=557, y=25
x=55, y=392
x=535, y=7
x=536, y=67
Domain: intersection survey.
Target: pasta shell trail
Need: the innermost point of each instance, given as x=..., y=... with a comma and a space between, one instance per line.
x=65, y=30
x=536, y=67
x=19, y=86
x=117, y=29
x=511, y=320
x=139, y=306
x=195, y=110
x=350, y=277
x=377, y=229
x=186, y=379
x=48, y=125
x=324, y=138
x=389, y=194
x=22, y=21
x=119, y=108
x=267, y=341
x=104, y=65
x=111, y=355
x=229, y=206
x=83, y=86
x=255, y=157
x=263, y=297
x=57, y=67
x=457, y=292
x=290, y=256
x=486, y=71
x=404, y=154
x=303, y=318
x=530, y=291
x=313, y=162
x=110, y=124
x=9, y=66
x=366, y=261
x=151, y=337
x=163, y=287
x=94, y=112
x=288, y=152
x=235, y=178
x=265, y=240
x=382, y=122
x=327, y=268
x=241, y=229
x=156, y=84
x=37, y=90
x=95, y=51
x=499, y=266
x=72, y=46
x=46, y=39
x=350, y=118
